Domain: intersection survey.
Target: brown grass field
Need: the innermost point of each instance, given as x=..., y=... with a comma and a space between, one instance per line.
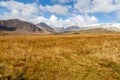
x=60, y=57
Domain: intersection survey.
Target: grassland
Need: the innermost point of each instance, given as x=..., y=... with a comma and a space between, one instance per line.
x=60, y=57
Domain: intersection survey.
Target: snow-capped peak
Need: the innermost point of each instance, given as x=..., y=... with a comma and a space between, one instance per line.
x=107, y=26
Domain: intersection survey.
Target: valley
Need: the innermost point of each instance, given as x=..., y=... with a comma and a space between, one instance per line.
x=59, y=40
x=41, y=52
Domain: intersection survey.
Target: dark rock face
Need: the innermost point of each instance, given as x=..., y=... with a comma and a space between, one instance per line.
x=2, y=28
x=18, y=26
x=45, y=26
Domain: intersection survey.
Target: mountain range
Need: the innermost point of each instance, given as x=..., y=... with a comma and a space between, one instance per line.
x=19, y=26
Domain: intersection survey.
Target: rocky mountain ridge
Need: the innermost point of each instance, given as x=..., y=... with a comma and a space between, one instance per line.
x=18, y=26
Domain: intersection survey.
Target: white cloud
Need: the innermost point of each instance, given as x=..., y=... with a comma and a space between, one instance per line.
x=24, y=8
x=75, y=20
x=38, y=19
x=103, y=6
x=82, y=5
x=58, y=9
x=107, y=6
x=80, y=20
x=19, y=10
x=30, y=12
x=53, y=18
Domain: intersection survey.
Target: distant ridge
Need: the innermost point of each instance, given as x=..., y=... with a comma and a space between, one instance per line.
x=16, y=25
x=95, y=28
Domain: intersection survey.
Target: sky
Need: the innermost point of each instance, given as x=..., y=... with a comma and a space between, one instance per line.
x=62, y=13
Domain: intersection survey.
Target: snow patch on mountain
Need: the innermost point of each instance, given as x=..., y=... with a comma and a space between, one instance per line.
x=108, y=26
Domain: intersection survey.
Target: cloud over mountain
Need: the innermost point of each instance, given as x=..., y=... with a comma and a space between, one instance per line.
x=61, y=13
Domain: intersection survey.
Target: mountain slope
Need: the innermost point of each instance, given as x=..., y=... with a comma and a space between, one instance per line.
x=15, y=25
x=46, y=27
x=98, y=28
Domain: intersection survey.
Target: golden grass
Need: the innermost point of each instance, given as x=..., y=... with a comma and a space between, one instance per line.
x=60, y=57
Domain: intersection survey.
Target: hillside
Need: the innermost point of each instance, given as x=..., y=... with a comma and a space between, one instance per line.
x=15, y=25
x=99, y=28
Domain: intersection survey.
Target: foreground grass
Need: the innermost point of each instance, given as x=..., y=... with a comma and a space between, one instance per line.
x=60, y=57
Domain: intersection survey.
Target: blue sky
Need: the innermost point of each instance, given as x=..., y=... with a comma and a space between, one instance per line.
x=62, y=13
